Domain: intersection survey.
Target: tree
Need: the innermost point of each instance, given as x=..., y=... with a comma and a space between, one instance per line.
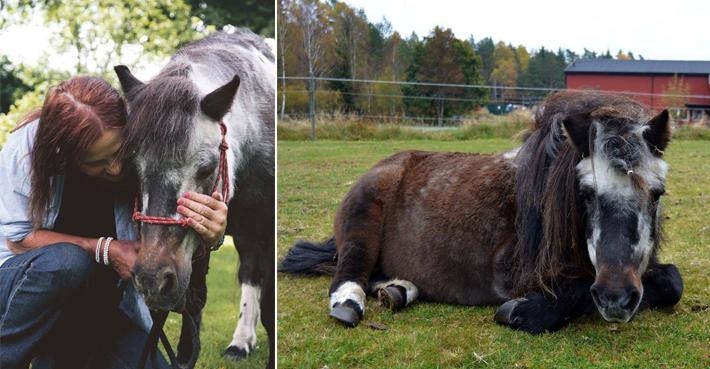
x=621, y=56
x=505, y=71
x=350, y=37
x=311, y=17
x=443, y=59
x=257, y=15
x=485, y=49
x=11, y=86
x=101, y=33
x=284, y=48
x=19, y=109
x=545, y=70
x=675, y=94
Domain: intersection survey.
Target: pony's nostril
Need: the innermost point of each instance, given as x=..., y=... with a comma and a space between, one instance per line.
x=632, y=300
x=595, y=290
x=168, y=282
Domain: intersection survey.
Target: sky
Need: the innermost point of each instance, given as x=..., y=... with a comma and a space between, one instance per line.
x=658, y=30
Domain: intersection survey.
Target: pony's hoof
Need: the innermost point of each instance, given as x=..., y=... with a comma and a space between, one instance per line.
x=392, y=297
x=504, y=314
x=348, y=313
x=531, y=314
x=235, y=353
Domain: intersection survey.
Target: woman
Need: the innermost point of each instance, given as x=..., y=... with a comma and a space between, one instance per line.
x=65, y=192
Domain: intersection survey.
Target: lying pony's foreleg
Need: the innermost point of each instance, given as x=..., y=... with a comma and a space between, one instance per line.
x=347, y=303
x=537, y=312
x=394, y=294
x=662, y=286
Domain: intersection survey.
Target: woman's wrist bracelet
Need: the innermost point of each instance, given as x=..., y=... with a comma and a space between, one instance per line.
x=107, y=244
x=98, y=250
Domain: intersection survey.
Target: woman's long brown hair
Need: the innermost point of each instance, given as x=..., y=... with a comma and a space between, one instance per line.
x=74, y=115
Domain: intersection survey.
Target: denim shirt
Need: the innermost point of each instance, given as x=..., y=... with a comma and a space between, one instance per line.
x=15, y=223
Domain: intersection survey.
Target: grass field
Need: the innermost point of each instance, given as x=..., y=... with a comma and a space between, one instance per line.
x=314, y=176
x=220, y=316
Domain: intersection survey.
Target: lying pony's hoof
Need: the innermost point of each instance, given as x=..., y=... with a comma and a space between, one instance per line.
x=392, y=297
x=504, y=314
x=348, y=313
x=532, y=314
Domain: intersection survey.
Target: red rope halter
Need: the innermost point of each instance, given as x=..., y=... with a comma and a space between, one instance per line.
x=222, y=174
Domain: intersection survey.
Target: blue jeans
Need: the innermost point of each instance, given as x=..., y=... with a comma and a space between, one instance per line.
x=59, y=309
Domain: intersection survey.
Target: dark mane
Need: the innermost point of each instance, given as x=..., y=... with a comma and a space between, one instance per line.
x=156, y=120
x=550, y=219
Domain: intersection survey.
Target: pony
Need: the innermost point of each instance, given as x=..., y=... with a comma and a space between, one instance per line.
x=206, y=122
x=568, y=221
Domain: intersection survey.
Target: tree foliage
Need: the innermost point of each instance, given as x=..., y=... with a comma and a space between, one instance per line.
x=101, y=33
x=674, y=93
x=443, y=59
x=11, y=86
x=98, y=34
x=355, y=51
x=257, y=15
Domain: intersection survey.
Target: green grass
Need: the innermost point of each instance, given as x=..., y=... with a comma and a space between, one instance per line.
x=314, y=176
x=220, y=316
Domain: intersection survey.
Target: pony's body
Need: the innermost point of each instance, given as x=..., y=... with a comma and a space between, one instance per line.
x=568, y=221
x=430, y=228
x=175, y=136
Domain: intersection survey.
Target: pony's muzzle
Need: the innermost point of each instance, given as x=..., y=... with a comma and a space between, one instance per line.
x=616, y=304
x=159, y=286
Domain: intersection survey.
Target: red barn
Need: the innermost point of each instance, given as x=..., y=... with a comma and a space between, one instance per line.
x=657, y=83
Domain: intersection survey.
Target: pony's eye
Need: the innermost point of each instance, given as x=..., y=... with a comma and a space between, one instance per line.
x=204, y=172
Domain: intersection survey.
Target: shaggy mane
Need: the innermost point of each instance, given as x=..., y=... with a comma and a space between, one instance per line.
x=155, y=125
x=550, y=222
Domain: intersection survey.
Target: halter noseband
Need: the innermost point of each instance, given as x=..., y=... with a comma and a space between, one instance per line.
x=222, y=174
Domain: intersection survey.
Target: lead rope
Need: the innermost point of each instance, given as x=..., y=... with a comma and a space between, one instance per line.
x=159, y=317
x=151, y=344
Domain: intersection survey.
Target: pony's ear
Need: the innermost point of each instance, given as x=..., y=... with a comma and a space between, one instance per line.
x=658, y=133
x=577, y=131
x=128, y=81
x=217, y=103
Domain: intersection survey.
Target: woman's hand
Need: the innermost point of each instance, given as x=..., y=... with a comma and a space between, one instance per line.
x=207, y=215
x=122, y=256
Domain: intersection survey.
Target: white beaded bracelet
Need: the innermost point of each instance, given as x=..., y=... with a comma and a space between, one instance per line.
x=106, y=246
x=98, y=250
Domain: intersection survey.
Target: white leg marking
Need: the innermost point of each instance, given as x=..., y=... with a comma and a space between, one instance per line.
x=249, y=313
x=348, y=291
x=411, y=290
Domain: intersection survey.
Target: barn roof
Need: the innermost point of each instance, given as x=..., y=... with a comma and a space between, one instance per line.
x=612, y=66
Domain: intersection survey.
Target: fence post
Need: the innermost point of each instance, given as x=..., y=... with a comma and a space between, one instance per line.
x=312, y=106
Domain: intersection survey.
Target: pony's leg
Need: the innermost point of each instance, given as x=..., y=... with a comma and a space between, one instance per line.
x=357, y=234
x=662, y=286
x=255, y=268
x=268, y=313
x=395, y=294
x=244, y=337
x=537, y=312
